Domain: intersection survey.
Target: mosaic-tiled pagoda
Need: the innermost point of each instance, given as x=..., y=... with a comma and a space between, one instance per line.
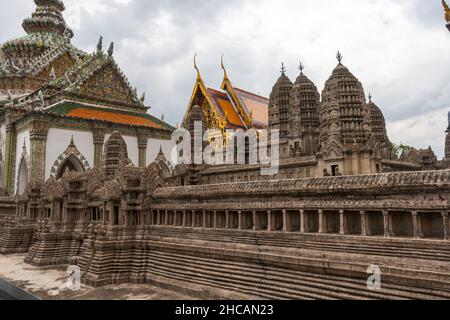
x=60, y=105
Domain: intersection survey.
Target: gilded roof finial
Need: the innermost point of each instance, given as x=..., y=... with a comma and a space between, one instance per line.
x=283, y=69
x=447, y=11
x=225, y=74
x=301, y=67
x=196, y=67
x=339, y=56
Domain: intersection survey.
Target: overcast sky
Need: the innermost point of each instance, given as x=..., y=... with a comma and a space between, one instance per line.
x=399, y=49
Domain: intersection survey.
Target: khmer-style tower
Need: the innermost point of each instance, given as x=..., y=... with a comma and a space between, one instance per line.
x=279, y=104
x=345, y=135
x=447, y=144
x=303, y=128
x=378, y=126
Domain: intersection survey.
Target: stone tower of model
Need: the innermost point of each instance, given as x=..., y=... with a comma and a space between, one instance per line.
x=279, y=104
x=303, y=129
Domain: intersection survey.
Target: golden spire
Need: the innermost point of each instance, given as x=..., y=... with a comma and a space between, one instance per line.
x=447, y=11
x=196, y=68
x=225, y=74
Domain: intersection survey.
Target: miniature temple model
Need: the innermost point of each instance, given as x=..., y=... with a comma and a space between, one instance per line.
x=87, y=182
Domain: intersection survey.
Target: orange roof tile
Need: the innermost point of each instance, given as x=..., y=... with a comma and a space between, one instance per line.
x=226, y=107
x=119, y=118
x=255, y=104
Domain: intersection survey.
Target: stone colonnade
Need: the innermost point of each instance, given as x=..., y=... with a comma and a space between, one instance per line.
x=367, y=223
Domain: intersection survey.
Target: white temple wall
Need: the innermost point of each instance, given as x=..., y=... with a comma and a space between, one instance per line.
x=133, y=149
x=22, y=137
x=59, y=139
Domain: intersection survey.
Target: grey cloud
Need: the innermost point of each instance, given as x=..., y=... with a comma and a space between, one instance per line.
x=158, y=59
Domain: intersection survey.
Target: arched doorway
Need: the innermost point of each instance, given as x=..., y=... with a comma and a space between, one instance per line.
x=69, y=160
x=22, y=177
x=71, y=163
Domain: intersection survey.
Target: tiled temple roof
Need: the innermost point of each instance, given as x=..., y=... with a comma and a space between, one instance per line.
x=255, y=105
x=81, y=111
x=224, y=105
x=236, y=108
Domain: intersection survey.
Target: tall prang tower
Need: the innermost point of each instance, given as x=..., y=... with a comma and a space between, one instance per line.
x=447, y=144
x=303, y=131
x=279, y=104
x=347, y=142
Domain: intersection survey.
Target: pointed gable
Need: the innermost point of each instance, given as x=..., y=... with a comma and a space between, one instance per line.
x=99, y=77
x=107, y=83
x=236, y=108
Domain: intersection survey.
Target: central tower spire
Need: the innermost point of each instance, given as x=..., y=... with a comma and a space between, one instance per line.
x=48, y=19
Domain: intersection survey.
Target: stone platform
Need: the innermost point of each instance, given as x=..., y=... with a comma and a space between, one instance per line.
x=50, y=284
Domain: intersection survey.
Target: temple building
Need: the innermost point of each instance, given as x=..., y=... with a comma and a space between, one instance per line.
x=59, y=105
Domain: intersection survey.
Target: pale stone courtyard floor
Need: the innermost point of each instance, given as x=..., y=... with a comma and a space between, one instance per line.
x=50, y=283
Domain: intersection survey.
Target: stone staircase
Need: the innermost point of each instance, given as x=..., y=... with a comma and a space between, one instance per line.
x=235, y=265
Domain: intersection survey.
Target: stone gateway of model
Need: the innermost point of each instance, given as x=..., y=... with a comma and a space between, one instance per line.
x=87, y=182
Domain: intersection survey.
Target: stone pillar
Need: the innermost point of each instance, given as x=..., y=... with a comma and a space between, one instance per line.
x=415, y=224
x=255, y=222
x=269, y=221
x=363, y=223
x=166, y=217
x=342, y=222
x=10, y=152
x=216, y=224
x=387, y=233
x=142, y=145
x=321, y=222
x=446, y=226
x=227, y=220
x=286, y=223
x=241, y=220
x=184, y=219
x=158, y=217
x=38, y=139
x=302, y=221
x=205, y=220
x=98, y=134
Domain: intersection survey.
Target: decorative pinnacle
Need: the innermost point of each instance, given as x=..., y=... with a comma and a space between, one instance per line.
x=100, y=44
x=196, y=67
x=72, y=142
x=339, y=56
x=283, y=69
x=301, y=67
x=111, y=49
x=370, y=97
x=225, y=74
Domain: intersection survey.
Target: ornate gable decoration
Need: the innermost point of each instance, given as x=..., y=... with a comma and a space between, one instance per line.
x=71, y=151
x=107, y=83
x=99, y=76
